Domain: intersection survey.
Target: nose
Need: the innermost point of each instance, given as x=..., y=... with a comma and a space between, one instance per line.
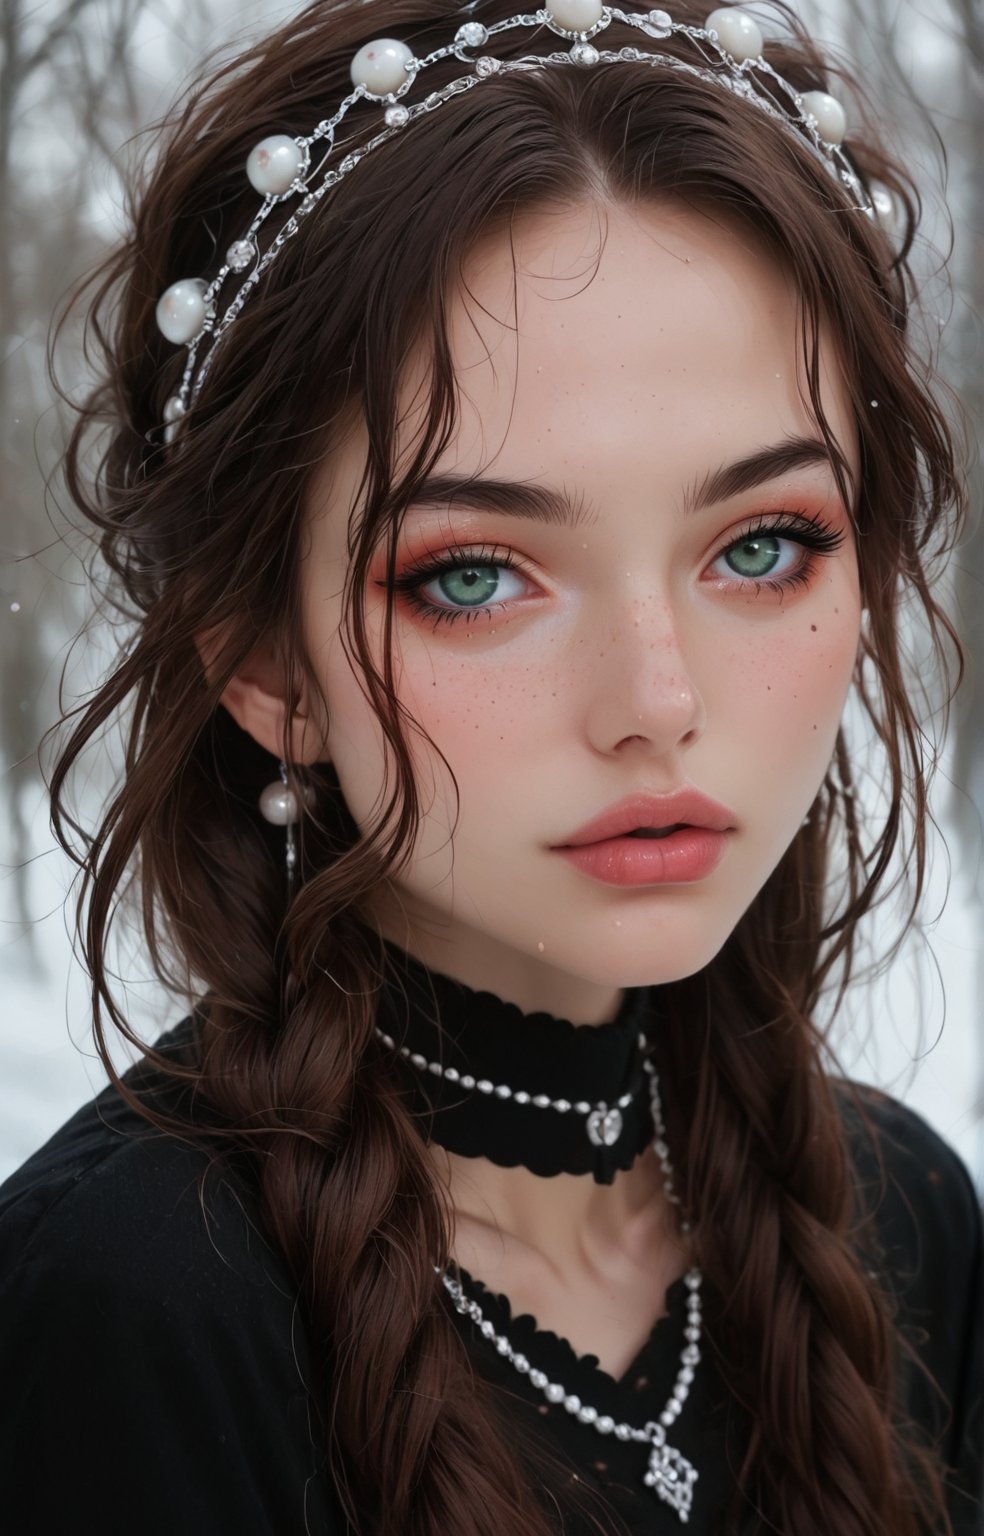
x=641, y=696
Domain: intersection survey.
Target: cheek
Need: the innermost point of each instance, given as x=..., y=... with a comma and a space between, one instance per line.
x=785, y=689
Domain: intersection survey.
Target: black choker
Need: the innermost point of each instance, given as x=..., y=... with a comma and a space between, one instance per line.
x=521, y=1089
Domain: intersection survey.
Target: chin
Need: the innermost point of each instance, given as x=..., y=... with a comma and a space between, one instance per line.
x=625, y=958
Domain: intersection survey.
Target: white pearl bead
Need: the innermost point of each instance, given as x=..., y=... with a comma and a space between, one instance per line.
x=827, y=113
x=173, y=409
x=380, y=66
x=884, y=206
x=273, y=164
x=575, y=15
x=738, y=33
x=181, y=310
x=278, y=804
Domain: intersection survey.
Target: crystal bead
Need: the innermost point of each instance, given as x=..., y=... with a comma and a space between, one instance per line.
x=240, y=255
x=604, y=1127
x=521, y=1364
x=538, y=1380
x=486, y=66
x=503, y=1346
x=472, y=35
x=181, y=310
x=738, y=33
x=396, y=116
x=585, y=54
x=662, y=21
x=487, y=1329
x=274, y=165
x=380, y=67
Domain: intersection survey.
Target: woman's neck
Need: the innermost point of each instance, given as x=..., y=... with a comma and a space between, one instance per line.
x=482, y=963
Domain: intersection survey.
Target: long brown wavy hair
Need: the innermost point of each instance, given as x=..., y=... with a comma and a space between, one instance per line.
x=208, y=540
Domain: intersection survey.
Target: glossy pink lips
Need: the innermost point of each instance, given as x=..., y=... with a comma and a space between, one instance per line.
x=689, y=841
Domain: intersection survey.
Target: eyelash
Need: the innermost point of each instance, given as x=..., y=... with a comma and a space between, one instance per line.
x=817, y=538
x=418, y=574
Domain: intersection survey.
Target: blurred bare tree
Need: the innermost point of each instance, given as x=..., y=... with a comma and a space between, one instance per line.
x=77, y=79
x=924, y=59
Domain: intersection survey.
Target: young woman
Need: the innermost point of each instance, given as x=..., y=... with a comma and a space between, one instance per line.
x=509, y=475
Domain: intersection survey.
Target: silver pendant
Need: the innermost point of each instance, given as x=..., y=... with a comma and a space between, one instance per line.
x=670, y=1475
x=604, y=1127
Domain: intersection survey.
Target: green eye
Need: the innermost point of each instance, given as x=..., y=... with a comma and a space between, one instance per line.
x=755, y=557
x=470, y=586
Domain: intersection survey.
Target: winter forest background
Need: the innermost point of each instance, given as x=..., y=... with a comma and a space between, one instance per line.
x=78, y=80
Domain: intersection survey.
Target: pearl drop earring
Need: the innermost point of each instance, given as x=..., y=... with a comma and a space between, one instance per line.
x=279, y=806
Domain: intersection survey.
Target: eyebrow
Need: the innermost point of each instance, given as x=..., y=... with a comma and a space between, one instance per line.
x=547, y=504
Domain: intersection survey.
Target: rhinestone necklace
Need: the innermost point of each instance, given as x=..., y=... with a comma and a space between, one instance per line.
x=669, y=1474
x=603, y=1122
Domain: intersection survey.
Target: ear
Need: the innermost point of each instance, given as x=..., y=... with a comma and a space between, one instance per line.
x=256, y=698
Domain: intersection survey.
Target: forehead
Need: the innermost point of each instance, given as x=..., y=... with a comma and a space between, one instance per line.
x=591, y=333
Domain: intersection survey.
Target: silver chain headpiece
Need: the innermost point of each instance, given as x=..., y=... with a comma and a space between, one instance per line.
x=285, y=170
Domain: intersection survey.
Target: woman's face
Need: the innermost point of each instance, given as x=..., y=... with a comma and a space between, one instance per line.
x=658, y=595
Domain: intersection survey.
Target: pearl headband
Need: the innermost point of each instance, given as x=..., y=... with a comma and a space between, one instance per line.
x=282, y=169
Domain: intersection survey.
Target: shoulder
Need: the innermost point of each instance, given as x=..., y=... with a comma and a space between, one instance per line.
x=155, y=1336
x=112, y=1201
x=922, y=1235
x=913, y=1185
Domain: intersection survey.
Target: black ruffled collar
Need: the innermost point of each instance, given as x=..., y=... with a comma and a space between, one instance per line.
x=498, y=1047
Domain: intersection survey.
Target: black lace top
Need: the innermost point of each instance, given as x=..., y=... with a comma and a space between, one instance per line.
x=159, y=1376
